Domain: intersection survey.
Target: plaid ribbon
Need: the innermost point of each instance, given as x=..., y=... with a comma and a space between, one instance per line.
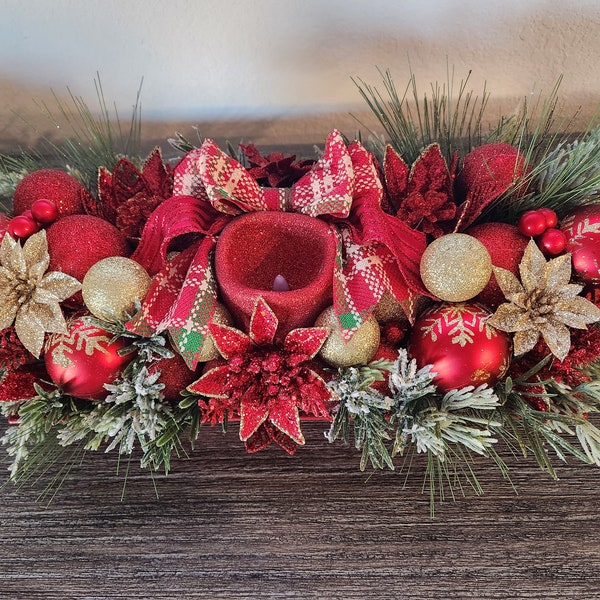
x=376, y=252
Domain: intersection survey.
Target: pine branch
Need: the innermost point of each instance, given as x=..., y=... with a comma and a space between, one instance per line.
x=91, y=140
x=451, y=115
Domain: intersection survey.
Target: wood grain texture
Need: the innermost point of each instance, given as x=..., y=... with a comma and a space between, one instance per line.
x=231, y=525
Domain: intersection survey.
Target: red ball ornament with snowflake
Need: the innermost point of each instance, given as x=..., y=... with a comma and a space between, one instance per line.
x=462, y=348
x=82, y=360
x=582, y=231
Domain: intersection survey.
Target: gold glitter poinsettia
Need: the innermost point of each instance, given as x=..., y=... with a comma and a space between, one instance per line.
x=29, y=296
x=542, y=303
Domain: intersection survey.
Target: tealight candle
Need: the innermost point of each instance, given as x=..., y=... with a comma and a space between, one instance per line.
x=285, y=258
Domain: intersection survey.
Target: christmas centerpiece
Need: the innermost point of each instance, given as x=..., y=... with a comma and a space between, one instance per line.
x=433, y=293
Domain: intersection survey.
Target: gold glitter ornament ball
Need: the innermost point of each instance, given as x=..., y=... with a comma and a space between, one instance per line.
x=359, y=350
x=456, y=267
x=209, y=349
x=112, y=286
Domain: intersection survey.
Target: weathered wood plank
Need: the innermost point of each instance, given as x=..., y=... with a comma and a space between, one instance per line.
x=229, y=525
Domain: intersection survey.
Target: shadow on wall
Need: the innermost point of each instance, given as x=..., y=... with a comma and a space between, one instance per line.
x=523, y=55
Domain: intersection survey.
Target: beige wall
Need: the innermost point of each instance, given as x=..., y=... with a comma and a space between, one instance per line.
x=280, y=70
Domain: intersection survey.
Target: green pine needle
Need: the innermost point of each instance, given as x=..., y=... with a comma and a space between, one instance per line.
x=450, y=115
x=92, y=138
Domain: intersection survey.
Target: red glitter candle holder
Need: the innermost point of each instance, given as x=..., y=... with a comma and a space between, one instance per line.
x=256, y=248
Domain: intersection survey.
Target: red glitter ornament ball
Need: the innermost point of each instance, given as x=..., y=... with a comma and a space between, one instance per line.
x=76, y=242
x=494, y=167
x=462, y=348
x=582, y=229
x=506, y=246
x=50, y=184
x=174, y=374
x=81, y=361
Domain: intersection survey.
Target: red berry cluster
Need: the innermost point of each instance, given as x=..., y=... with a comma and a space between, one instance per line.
x=541, y=224
x=43, y=212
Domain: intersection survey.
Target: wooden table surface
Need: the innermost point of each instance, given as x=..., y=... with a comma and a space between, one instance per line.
x=231, y=525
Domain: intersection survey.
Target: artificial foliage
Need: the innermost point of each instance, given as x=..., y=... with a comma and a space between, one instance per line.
x=432, y=293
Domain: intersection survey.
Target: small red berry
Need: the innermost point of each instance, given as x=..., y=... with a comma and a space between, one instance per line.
x=44, y=211
x=550, y=216
x=22, y=227
x=552, y=241
x=532, y=223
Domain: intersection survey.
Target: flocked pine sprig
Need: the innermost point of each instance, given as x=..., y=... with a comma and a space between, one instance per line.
x=409, y=383
x=32, y=441
x=420, y=417
x=365, y=409
x=458, y=420
x=134, y=412
x=565, y=425
x=11, y=172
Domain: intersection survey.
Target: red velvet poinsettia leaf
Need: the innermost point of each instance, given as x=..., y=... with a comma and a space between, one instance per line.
x=279, y=171
x=229, y=341
x=281, y=439
x=253, y=413
x=158, y=178
x=305, y=340
x=396, y=176
x=429, y=171
x=259, y=440
x=127, y=180
x=478, y=198
x=283, y=414
x=263, y=323
x=105, y=192
x=251, y=152
x=91, y=205
x=212, y=383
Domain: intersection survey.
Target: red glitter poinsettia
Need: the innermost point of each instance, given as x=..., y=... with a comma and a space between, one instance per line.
x=12, y=352
x=267, y=386
x=275, y=169
x=128, y=195
x=18, y=384
x=422, y=195
x=585, y=349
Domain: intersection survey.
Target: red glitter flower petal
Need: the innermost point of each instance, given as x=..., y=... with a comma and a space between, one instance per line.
x=253, y=413
x=283, y=414
x=280, y=438
x=212, y=383
x=314, y=398
x=307, y=340
x=230, y=341
x=263, y=323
